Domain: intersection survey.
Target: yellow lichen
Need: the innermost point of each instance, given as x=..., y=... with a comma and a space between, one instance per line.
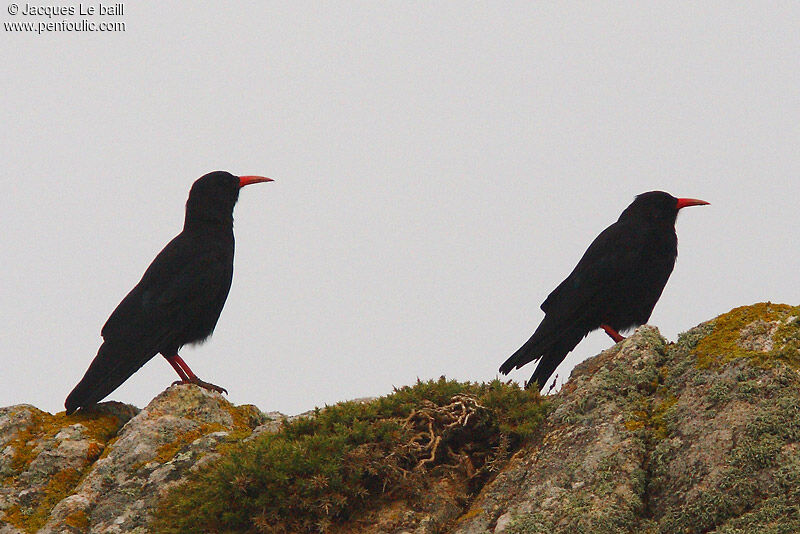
x=108, y=447
x=657, y=422
x=15, y=516
x=650, y=414
x=24, y=441
x=59, y=486
x=243, y=420
x=241, y=428
x=44, y=426
x=167, y=452
x=77, y=519
x=93, y=452
x=638, y=419
x=100, y=427
x=723, y=345
x=634, y=424
x=473, y=512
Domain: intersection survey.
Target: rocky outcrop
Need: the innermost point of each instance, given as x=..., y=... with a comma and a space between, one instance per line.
x=44, y=456
x=701, y=435
x=696, y=436
x=104, y=470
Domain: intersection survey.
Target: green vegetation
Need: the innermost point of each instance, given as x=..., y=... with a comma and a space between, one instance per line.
x=321, y=470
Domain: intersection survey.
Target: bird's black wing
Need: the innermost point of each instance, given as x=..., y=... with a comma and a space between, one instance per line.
x=181, y=280
x=572, y=309
x=612, y=256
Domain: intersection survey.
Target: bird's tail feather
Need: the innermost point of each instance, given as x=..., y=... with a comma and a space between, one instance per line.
x=544, y=369
x=526, y=353
x=548, y=345
x=114, y=363
x=547, y=335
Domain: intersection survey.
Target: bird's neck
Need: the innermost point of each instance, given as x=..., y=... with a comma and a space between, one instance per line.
x=208, y=224
x=663, y=238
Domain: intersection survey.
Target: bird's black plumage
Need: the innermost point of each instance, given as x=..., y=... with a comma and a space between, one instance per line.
x=616, y=283
x=179, y=298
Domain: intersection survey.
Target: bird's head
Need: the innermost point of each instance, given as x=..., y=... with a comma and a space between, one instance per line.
x=214, y=195
x=659, y=206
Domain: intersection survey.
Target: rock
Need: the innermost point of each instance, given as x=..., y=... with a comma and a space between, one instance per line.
x=154, y=450
x=89, y=473
x=588, y=468
x=697, y=436
x=43, y=457
x=702, y=435
x=274, y=421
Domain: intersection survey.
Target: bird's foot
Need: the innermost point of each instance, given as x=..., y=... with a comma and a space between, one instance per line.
x=613, y=334
x=203, y=384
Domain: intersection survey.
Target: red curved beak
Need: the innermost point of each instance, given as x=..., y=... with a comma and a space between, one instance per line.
x=684, y=202
x=247, y=180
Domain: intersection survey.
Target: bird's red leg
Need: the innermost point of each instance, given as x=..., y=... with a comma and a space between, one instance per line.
x=174, y=364
x=613, y=334
x=188, y=377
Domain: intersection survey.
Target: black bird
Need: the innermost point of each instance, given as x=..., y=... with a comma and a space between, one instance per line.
x=179, y=298
x=615, y=285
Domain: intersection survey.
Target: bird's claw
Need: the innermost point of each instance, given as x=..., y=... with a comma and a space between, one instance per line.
x=203, y=384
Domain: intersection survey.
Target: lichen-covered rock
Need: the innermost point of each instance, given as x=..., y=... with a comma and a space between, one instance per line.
x=89, y=473
x=178, y=429
x=697, y=436
x=587, y=473
x=42, y=457
x=730, y=461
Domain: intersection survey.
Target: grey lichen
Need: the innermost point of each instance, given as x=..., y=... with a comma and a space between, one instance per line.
x=697, y=436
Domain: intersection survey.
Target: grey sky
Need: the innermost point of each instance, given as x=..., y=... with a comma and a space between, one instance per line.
x=440, y=167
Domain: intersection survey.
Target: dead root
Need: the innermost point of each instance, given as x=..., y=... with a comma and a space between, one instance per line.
x=448, y=436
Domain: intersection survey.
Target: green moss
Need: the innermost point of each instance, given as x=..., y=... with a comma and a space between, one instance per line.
x=700, y=514
x=723, y=345
x=719, y=392
x=319, y=471
x=758, y=487
x=769, y=517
